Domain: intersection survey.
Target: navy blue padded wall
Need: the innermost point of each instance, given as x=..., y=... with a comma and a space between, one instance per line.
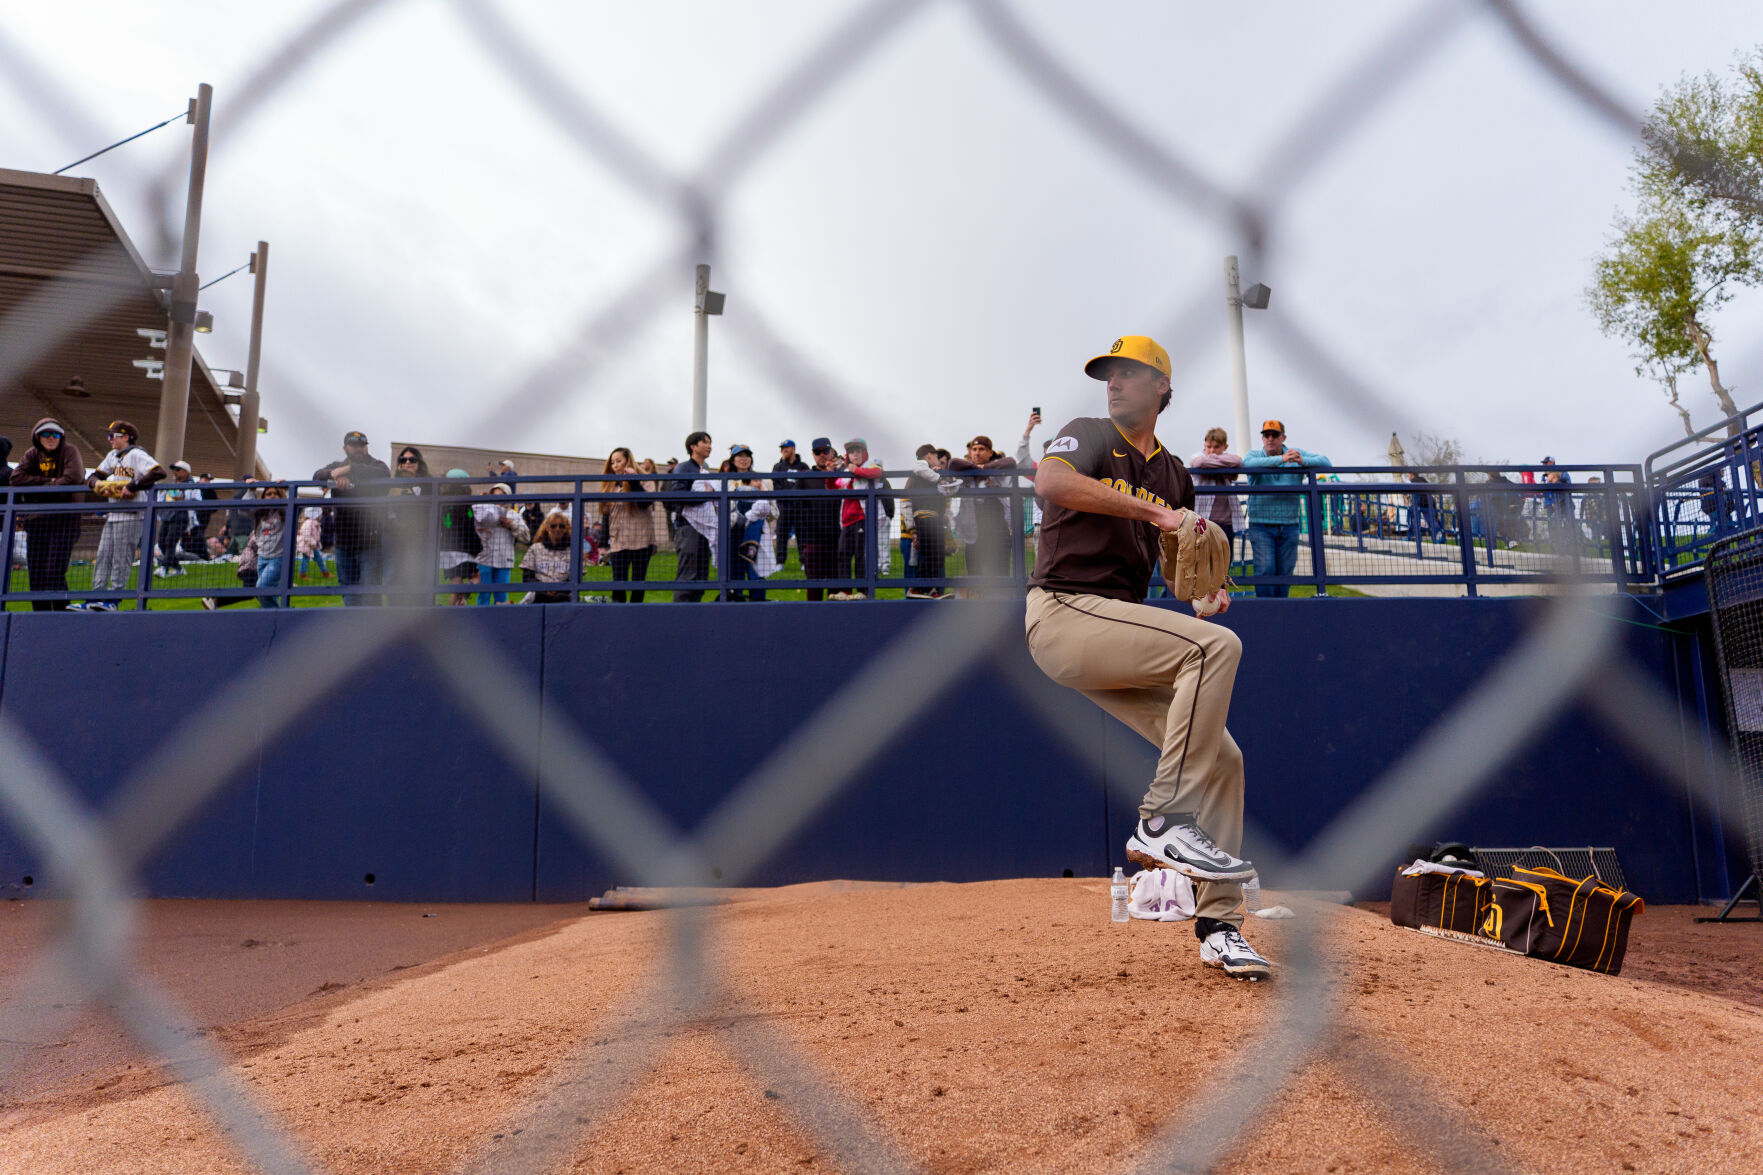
x=1331, y=693
x=392, y=775
x=687, y=701
x=98, y=692
x=389, y=774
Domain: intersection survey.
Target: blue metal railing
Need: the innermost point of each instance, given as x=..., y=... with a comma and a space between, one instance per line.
x=1370, y=531
x=1705, y=488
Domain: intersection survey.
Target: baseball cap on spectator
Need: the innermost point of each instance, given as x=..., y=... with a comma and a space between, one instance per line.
x=183, y=465
x=737, y=447
x=1548, y=461
x=123, y=428
x=47, y=425
x=981, y=439
x=822, y=445
x=1277, y=426
x=503, y=486
x=856, y=443
x=1139, y=348
x=786, y=444
x=355, y=438
x=457, y=473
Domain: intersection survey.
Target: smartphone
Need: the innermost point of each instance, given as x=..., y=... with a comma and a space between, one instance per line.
x=1036, y=411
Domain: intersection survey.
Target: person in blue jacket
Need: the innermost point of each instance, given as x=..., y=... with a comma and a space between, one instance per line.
x=1273, y=518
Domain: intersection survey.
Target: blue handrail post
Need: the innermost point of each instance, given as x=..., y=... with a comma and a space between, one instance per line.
x=1318, y=556
x=1465, y=532
x=1025, y=505
x=144, y=577
x=283, y=592
x=6, y=517
x=722, y=544
x=874, y=518
x=578, y=537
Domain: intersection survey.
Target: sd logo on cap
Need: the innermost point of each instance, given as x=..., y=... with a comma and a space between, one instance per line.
x=1138, y=348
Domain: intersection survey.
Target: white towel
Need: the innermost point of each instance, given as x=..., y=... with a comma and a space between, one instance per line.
x=1161, y=895
x=1420, y=867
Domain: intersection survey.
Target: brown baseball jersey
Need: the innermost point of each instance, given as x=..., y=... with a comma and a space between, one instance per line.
x=1100, y=554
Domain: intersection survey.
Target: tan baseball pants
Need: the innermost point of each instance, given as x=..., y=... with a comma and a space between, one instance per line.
x=1168, y=676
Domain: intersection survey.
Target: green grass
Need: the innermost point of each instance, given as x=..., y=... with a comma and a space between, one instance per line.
x=219, y=576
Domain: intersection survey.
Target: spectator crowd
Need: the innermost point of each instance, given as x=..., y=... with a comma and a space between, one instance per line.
x=953, y=516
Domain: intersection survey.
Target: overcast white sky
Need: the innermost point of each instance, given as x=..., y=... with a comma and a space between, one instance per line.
x=933, y=232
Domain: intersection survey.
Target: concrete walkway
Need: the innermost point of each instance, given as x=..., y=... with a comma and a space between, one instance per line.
x=1352, y=555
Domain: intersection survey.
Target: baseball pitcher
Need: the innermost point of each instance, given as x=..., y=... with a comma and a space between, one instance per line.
x=1117, y=504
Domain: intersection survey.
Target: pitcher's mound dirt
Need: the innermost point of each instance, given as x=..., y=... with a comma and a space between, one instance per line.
x=1000, y=1026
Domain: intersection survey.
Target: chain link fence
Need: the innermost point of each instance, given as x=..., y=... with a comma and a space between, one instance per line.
x=1568, y=657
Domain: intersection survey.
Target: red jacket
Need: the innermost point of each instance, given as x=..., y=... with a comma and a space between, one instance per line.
x=851, y=509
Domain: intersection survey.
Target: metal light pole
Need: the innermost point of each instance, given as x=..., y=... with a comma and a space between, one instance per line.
x=1255, y=297
x=245, y=455
x=174, y=397
x=706, y=303
x=1239, y=374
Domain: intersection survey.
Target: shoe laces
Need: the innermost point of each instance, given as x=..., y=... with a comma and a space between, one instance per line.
x=1233, y=939
x=1199, y=836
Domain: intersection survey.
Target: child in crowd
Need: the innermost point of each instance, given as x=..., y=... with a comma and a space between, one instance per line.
x=306, y=540
x=269, y=536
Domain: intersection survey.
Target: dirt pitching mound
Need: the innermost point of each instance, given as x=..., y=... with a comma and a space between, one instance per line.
x=995, y=1026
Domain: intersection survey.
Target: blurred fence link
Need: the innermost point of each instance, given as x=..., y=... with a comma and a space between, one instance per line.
x=1568, y=654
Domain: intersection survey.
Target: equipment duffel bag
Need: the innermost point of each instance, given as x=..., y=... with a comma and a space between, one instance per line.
x=1584, y=923
x=1536, y=912
x=1432, y=897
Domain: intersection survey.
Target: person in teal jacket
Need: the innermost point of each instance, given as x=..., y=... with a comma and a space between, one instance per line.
x=1274, y=518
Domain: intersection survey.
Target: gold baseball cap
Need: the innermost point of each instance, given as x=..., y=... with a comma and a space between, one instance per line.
x=1139, y=348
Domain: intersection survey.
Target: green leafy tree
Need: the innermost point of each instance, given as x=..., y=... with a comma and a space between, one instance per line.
x=1696, y=236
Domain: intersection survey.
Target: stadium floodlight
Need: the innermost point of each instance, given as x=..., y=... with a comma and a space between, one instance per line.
x=155, y=338
x=708, y=302
x=1255, y=297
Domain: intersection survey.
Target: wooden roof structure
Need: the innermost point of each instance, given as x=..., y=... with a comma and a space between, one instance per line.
x=73, y=292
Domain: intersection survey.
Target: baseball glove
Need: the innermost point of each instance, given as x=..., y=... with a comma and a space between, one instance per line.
x=112, y=487
x=1196, y=558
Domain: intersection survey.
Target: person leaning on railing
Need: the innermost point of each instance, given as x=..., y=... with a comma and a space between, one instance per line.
x=1223, y=510
x=1274, y=518
x=358, y=475
x=49, y=461
x=985, y=520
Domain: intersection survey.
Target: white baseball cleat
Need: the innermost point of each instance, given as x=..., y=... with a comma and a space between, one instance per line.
x=1176, y=841
x=1227, y=949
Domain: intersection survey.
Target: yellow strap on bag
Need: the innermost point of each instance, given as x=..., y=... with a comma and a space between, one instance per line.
x=1536, y=888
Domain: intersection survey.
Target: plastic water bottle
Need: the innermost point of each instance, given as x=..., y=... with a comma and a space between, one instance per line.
x=1252, y=894
x=1117, y=890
